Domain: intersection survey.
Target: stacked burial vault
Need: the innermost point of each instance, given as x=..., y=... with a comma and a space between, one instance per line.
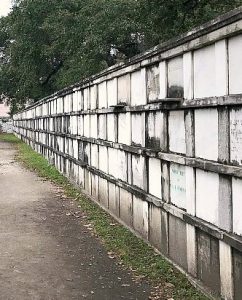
x=158, y=143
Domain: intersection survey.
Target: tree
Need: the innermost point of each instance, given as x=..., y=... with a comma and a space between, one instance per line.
x=44, y=48
x=163, y=19
x=51, y=46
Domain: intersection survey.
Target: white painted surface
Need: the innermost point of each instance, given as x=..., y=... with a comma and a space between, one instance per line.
x=138, y=88
x=138, y=129
x=93, y=97
x=95, y=184
x=113, y=196
x=103, y=192
x=221, y=56
x=139, y=171
x=140, y=216
x=75, y=101
x=74, y=125
x=124, y=128
x=103, y=159
x=88, y=181
x=126, y=206
x=87, y=150
x=94, y=156
x=237, y=205
x=86, y=125
x=188, y=75
x=236, y=136
x=80, y=125
x=226, y=270
x=124, y=92
x=66, y=104
x=93, y=125
x=191, y=250
x=205, y=72
x=190, y=191
x=129, y=168
x=177, y=132
x=113, y=162
x=102, y=127
x=80, y=100
x=155, y=187
x=207, y=196
x=206, y=133
x=112, y=127
x=235, y=64
x=121, y=172
x=112, y=92
x=81, y=176
x=102, y=95
x=178, y=185
x=86, y=96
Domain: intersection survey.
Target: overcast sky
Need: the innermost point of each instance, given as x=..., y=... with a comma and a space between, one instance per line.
x=5, y=6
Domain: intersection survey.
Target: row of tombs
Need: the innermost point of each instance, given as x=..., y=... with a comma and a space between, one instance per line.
x=162, y=198
x=158, y=143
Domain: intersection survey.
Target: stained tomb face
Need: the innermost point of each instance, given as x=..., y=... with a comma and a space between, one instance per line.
x=153, y=83
x=138, y=129
x=86, y=99
x=112, y=92
x=236, y=136
x=207, y=196
x=140, y=216
x=139, y=171
x=102, y=95
x=138, y=88
x=178, y=241
x=237, y=205
x=177, y=137
x=208, y=260
x=113, y=193
x=156, y=131
x=155, y=179
x=178, y=185
x=206, y=133
x=175, y=78
x=124, y=128
x=204, y=72
x=112, y=127
x=235, y=64
x=237, y=266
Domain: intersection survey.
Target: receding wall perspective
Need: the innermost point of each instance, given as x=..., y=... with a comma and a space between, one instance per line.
x=157, y=141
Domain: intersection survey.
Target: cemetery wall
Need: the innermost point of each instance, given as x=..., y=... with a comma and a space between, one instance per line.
x=157, y=142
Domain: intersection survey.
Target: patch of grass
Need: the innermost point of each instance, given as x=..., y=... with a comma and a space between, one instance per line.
x=10, y=138
x=132, y=251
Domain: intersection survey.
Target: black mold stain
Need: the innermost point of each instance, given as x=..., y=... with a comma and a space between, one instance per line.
x=175, y=91
x=82, y=152
x=153, y=143
x=208, y=260
x=237, y=267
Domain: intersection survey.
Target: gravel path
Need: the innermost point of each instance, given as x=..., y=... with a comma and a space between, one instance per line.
x=47, y=253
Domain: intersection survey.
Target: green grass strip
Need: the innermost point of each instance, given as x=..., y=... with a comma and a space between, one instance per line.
x=132, y=251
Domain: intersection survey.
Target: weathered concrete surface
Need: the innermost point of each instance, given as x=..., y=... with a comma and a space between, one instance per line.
x=45, y=251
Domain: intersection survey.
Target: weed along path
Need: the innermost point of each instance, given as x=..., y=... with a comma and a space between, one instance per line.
x=47, y=251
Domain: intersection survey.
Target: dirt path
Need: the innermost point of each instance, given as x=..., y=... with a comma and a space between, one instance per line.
x=47, y=254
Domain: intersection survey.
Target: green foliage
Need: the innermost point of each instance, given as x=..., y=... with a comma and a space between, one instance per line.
x=166, y=19
x=49, y=45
